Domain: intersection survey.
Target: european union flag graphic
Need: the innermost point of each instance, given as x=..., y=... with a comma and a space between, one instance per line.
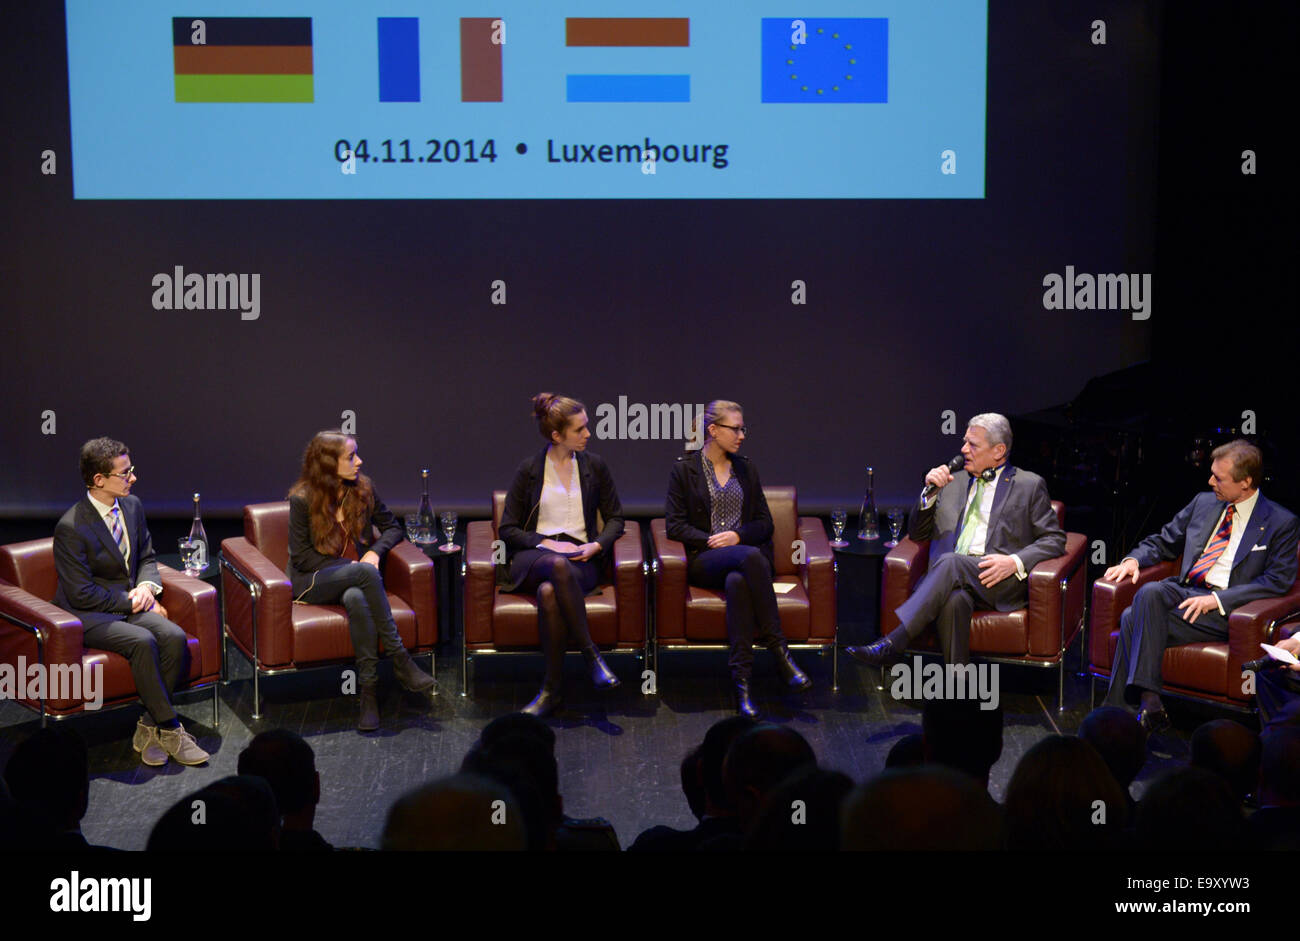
x=839, y=60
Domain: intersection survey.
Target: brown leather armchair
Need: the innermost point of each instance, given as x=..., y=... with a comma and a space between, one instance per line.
x=1037, y=635
x=689, y=617
x=278, y=636
x=34, y=628
x=498, y=622
x=1208, y=672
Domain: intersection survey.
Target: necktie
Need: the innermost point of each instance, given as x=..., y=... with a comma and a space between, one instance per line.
x=116, y=528
x=971, y=522
x=1213, y=550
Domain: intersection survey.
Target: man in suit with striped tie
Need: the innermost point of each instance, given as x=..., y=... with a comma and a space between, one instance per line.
x=108, y=578
x=1236, y=546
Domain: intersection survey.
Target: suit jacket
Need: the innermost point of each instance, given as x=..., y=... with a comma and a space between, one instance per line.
x=518, y=529
x=1022, y=521
x=1265, y=563
x=303, y=557
x=688, y=506
x=93, y=577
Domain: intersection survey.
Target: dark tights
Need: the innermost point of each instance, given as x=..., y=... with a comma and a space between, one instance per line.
x=561, y=585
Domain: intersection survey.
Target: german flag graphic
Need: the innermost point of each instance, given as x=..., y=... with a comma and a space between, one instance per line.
x=238, y=58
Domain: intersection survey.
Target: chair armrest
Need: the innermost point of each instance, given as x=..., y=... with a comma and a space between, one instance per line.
x=629, y=583
x=274, y=602
x=1048, y=608
x=61, y=631
x=1109, y=599
x=480, y=582
x=60, y=635
x=670, y=582
x=192, y=603
x=1253, y=624
x=818, y=576
x=904, y=566
x=408, y=573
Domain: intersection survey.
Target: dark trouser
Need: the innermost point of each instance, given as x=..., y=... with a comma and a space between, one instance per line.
x=1277, y=691
x=742, y=573
x=947, y=596
x=1149, y=625
x=560, y=584
x=359, y=588
x=157, y=651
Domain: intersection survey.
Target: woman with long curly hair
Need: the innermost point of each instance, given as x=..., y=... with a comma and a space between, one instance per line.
x=554, y=549
x=334, y=558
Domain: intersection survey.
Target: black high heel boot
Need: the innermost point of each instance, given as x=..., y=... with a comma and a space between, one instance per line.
x=551, y=696
x=602, y=677
x=744, y=702
x=791, y=675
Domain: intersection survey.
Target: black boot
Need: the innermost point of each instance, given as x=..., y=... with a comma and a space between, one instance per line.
x=551, y=697
x=368, y=721
x=410, y=676
x=602, y=677
x=744, y=704
x=791, y=675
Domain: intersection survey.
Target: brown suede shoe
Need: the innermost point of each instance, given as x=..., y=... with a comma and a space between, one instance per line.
x=181, y=745
x=147, y=744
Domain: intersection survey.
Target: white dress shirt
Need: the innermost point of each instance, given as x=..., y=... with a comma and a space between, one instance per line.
x=1219, y=573
x=106, y=514
x=560, y=510
x=981, y=518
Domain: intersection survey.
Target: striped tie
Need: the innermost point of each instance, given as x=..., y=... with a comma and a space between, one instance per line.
x=1213, y=550
x=115, y=527
x=972, y=520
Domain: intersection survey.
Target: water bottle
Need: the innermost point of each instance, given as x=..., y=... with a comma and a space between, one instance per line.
x=428, y=525
x=200, y=540
x=868, y=519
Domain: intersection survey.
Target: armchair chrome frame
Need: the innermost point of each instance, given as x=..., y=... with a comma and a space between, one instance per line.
x=832, y=647
x=255, y=592
x=467, y=656
x=1271, y=631
x=46, y=716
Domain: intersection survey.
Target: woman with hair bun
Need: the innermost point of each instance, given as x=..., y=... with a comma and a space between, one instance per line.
x=553, y=550
x=333, y=558
x=716, y=509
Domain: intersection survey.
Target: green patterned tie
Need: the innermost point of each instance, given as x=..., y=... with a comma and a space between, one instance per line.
x=972, y=520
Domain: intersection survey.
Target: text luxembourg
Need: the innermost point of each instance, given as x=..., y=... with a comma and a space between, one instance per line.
x=637, y=153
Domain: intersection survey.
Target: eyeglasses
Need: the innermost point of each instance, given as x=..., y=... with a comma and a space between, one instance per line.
x=125, y=475
x=738, y=429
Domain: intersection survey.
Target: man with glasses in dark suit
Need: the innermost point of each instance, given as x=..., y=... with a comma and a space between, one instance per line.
x=104, y=558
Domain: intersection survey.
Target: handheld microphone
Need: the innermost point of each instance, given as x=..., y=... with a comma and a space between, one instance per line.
x=954, y=465
x=1263, y=663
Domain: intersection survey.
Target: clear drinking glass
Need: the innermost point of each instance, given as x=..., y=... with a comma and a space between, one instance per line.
x=838, y=517
x=895, y=520
x=413, y=528
x=189, y=549
x=449, y=521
